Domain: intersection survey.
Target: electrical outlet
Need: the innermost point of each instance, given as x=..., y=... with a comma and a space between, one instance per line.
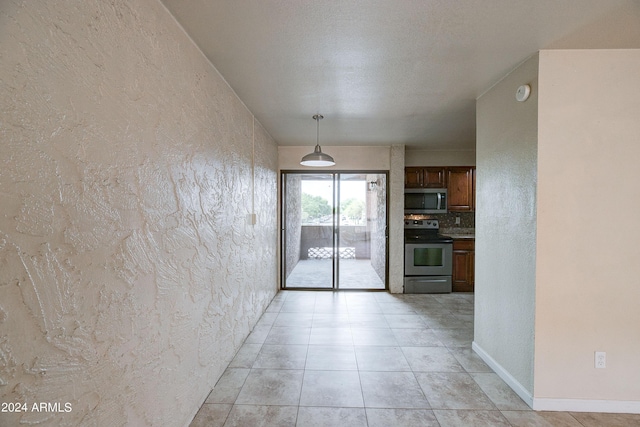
x=457, y=220
x=601, y=359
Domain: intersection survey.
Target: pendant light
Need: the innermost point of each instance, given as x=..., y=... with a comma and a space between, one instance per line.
x=317, y=158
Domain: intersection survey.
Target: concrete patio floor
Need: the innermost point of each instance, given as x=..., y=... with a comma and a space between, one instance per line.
x=317, y=273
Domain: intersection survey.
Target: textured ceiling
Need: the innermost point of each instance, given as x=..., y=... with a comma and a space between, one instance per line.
x=387, y=71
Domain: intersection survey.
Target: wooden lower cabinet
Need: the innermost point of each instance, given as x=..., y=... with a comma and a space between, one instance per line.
x=463, y=265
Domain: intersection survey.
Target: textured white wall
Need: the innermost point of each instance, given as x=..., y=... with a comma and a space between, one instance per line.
x=587, y=289
x=377, y=225
x=129, y=275
x=293, y=226
x=506, y=224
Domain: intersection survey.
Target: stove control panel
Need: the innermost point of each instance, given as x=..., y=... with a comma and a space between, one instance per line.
x=431, y=224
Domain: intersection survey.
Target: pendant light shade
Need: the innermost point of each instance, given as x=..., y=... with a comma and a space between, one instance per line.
x=317, y=158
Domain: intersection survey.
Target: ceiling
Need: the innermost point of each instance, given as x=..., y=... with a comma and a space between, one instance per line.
x=387, y=72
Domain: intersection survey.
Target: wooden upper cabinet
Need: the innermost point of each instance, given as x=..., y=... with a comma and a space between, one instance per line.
x=425, y=177
x=435, y=177
x=413, y=177
x=460, y=188
x=474, y=189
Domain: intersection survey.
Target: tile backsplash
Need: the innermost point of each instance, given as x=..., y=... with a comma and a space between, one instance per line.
x=448, y=220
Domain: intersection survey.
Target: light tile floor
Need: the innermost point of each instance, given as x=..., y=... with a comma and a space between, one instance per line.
x=371, y=359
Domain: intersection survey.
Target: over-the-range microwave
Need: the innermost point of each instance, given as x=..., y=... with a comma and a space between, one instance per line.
x=425, y=200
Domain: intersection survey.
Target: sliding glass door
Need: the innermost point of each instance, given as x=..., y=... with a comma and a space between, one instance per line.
x=334, y=230
x=308, y=232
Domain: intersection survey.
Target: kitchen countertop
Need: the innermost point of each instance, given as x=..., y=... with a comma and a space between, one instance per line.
x=459, y=233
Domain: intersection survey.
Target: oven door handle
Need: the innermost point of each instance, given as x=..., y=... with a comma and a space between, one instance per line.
x=428, y=280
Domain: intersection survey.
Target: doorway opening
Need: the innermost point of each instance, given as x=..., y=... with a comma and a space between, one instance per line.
x=334, y=230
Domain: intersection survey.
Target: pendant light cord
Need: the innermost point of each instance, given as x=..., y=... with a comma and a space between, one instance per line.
x=317, y=118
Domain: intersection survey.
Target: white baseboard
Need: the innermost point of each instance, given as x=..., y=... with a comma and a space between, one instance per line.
x=505, y=375
x=585, y=405
x=544, y=404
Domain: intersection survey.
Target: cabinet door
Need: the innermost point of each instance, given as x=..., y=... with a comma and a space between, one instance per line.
x=460, y=279
x=474, y=188
x=460, y=189
x=413, y=177
x=435, y=177
x=463, y=266
x=472, y=270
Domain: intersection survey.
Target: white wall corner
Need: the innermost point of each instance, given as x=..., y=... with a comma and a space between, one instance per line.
x=504, y=374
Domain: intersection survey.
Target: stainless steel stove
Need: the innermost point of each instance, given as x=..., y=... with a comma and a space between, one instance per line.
x=428, y=257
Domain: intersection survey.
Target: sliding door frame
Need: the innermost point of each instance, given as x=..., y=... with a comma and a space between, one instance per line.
x=335, y=282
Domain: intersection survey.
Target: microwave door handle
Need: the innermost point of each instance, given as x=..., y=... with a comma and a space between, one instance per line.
x=439, y=200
